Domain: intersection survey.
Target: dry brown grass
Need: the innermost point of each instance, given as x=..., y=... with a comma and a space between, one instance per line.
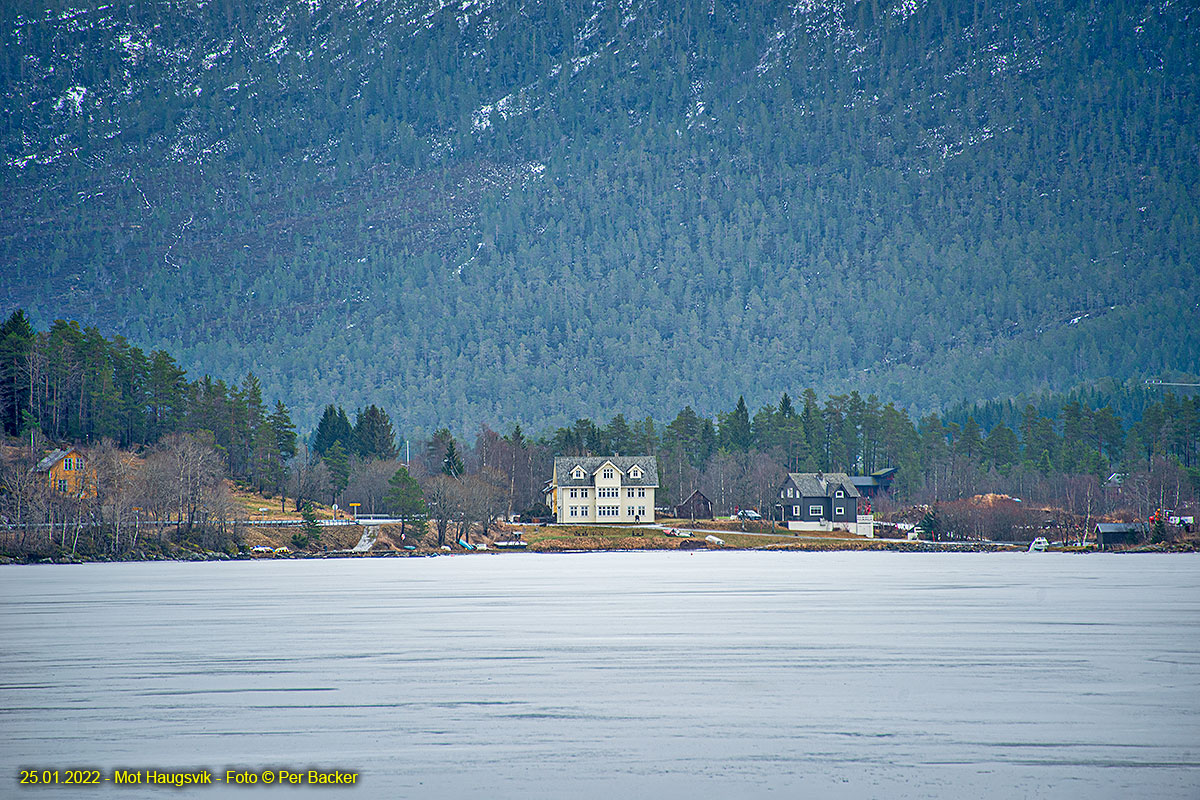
x=249, y=502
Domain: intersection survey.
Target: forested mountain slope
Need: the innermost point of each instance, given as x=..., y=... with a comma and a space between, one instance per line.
x=487, y=211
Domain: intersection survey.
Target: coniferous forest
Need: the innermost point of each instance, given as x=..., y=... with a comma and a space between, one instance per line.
x=484, y=213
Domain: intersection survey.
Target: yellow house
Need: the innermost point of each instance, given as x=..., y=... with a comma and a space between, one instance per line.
x=603, y=489
x=65, y=472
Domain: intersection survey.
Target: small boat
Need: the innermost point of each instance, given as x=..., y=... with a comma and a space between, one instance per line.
x=513, y=544
x=714, y=540
x=1038, y=545
x=465, y=545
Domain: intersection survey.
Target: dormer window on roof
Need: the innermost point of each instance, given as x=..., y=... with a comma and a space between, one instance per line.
x=635, y=472
x=577, y=474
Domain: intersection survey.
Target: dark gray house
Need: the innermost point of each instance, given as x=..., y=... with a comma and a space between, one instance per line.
x=697, y=506
x=816, y=501
x=1114, y=534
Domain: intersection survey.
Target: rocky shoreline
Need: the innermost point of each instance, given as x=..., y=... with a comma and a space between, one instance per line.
x=569, y=545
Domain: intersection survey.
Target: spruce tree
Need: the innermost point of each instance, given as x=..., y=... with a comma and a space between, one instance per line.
x=333, y=427
x=452, y=464
x=338, y=461
x=373, y=434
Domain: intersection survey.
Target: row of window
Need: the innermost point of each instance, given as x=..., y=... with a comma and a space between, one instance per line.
x=795, y=493
x=634, y=472
x=606, y=492
x=817, y=511
x=607, y=511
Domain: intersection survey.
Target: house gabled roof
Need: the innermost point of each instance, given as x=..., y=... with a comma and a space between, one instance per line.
x=1121, y=527
x=53, y=458
x=816, y=484
x=880, y=478
x=565, y=465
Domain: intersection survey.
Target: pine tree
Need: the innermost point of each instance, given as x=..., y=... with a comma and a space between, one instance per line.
x=404, y=498
x=619, y=436
x=970, y=443
x=16, y=343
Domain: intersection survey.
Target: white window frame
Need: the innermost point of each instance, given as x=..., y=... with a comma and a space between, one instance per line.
x=641, y=492
x=629, y=512
x=608, y=473
x=795, y=511
x=840, y=494
x=577, y=474
x=635, y=472
x=790, y=492
x=816, y=511
x=840, y=510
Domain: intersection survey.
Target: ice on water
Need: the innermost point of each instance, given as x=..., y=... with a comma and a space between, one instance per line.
x=655, y=675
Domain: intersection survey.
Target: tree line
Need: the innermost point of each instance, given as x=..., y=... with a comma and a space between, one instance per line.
x=164, y=445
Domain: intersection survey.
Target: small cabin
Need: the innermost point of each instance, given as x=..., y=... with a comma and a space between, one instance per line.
x=1119, y=534
x=697, y=506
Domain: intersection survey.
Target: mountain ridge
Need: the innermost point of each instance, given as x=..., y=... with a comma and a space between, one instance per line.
x=496, y=210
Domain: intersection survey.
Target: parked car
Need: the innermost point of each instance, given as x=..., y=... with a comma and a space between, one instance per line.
x=749, y=513
x=283, y=551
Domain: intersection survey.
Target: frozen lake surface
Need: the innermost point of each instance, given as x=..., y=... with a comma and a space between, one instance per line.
x=656, y=675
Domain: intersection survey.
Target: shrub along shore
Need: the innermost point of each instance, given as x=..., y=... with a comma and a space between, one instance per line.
x=267, y=543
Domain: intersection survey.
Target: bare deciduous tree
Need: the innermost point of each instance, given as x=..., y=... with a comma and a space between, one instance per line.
x=192, y=468
x=369, y=483
x=486, y=497
x=112, y=478
x=443, y=495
